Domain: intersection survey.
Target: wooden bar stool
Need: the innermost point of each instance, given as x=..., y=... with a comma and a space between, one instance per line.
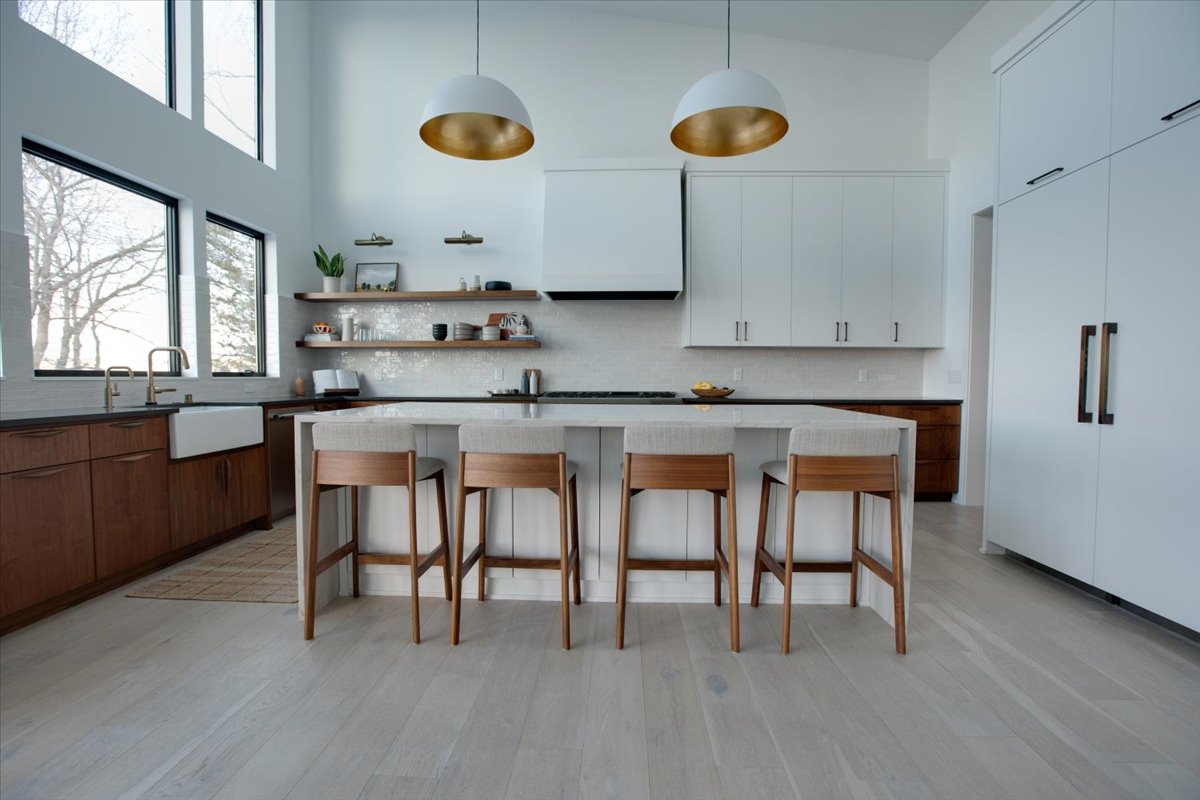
x=858, y=460
x=380, y=454
x=515, y=456
x=681, y=457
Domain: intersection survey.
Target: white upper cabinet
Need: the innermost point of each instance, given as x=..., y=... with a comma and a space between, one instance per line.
x=867, y=262
x=779, y=260
x=816, y=261
x=1055, y=104
x=766, y=261
x=917, y=258
x=1156, y=67
x=714, y=281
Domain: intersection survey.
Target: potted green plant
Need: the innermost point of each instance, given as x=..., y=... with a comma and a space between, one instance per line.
x=331, y=267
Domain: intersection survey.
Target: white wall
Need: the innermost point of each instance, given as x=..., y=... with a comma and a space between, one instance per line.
x=961, y=129
x=58, y=97
x=596, y=85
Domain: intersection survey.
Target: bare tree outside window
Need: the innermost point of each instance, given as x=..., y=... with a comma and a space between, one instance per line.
x=234, y=299
x=126, y=37
x=231, y=94
x=99, y=268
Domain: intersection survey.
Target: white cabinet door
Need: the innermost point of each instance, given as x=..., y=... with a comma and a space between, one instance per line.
x=1055, y=103
x=715, y=252
x=816, y=261
x=917, y=274
x=766, y=261
x=867, y=262
x=1049, y=282
x=1156, y=67
x=1147, y=530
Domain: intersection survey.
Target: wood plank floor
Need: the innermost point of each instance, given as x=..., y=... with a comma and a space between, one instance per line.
x=1015, y=685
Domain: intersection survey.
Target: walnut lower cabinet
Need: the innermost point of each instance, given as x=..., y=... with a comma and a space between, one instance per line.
x=129, y=505
x=88, y=506
x=215, y=493
x=45, y=534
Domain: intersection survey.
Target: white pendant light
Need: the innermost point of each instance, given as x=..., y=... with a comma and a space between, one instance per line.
x=476, y=117
x=730, y=112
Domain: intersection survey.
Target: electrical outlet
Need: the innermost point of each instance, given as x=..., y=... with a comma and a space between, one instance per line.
x=498, y=374
x=737, y=376
x=954, y=376
x=862, y=376
x=249, y=388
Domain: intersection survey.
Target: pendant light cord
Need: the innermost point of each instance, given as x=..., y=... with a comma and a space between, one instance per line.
x=476, y=37
x=728, y=18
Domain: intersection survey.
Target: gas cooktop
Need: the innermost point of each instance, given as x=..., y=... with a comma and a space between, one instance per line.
x=609, y=397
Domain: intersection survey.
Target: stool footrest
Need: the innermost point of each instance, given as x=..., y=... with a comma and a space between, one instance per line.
x=879, y=569
x=424, y=562
x=670, y=564
x=336, y=556
x=776, y=567
x=524, y=563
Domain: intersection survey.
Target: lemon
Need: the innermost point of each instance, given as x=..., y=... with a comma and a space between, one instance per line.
x=702, y=385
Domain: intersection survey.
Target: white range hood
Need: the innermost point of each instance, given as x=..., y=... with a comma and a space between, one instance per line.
x=614, y=230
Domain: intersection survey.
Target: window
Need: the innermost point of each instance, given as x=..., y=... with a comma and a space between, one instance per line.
x=233, y=72
x=130, y=38
x=235, y=297
x=102, y=256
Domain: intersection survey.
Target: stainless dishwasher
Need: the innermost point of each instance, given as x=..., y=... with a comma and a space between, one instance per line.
x=281, y=444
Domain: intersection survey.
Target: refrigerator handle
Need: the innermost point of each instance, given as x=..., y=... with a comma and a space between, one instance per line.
x=1107, y=329
x=1086, y=332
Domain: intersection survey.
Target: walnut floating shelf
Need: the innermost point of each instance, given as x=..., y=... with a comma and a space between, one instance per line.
x=428, y=344
x=413, y=297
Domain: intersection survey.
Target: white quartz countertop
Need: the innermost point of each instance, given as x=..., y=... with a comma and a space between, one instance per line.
x=582, y=415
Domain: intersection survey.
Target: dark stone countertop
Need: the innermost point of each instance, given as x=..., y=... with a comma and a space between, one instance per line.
x=824, y=401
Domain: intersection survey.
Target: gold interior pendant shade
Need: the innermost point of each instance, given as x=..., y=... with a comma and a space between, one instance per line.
x=476, y=117
x=730, y=112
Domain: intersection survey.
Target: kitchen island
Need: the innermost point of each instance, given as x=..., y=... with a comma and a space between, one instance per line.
x=664, y=524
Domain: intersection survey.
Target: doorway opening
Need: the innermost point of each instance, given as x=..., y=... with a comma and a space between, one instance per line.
x=974, y=444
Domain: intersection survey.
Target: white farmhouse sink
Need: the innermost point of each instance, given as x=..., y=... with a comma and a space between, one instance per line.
x=196, y=430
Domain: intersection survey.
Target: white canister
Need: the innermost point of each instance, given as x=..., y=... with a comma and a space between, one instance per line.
x=347, y=329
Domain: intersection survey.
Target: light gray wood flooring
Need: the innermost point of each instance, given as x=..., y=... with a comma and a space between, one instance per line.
x=1015, y=685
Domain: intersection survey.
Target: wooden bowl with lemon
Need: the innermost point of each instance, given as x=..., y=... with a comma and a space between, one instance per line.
x=706, y=389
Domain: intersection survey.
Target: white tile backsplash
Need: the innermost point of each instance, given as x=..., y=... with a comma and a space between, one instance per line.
x=598, y=344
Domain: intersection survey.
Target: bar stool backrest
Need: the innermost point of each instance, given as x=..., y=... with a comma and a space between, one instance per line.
x=512, y=438
x=843, y=459
x=844, y=441
x=357, y=454
x=679, y=440
x=512, y=455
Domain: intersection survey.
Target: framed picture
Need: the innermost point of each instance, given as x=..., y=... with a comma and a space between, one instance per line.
x=378, y=276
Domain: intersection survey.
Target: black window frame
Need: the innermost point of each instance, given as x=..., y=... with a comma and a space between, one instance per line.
x=258, y=82
x=171, y=210
x=260, y=291
x=169, y=71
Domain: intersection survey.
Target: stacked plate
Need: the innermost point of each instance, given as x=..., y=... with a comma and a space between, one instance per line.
x=490, y=333
x=463, y=331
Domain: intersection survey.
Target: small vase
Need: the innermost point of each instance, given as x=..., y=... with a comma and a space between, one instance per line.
x=331, y=284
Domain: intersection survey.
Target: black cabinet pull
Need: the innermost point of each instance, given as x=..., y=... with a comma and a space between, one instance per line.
x=1107, y=329
x=737, y=331
x=1179, y=111
x=837, y=331
x=1043, y=175
x=1086, y=332
x=745, y=331
x=896, y=334
x=846, y=335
